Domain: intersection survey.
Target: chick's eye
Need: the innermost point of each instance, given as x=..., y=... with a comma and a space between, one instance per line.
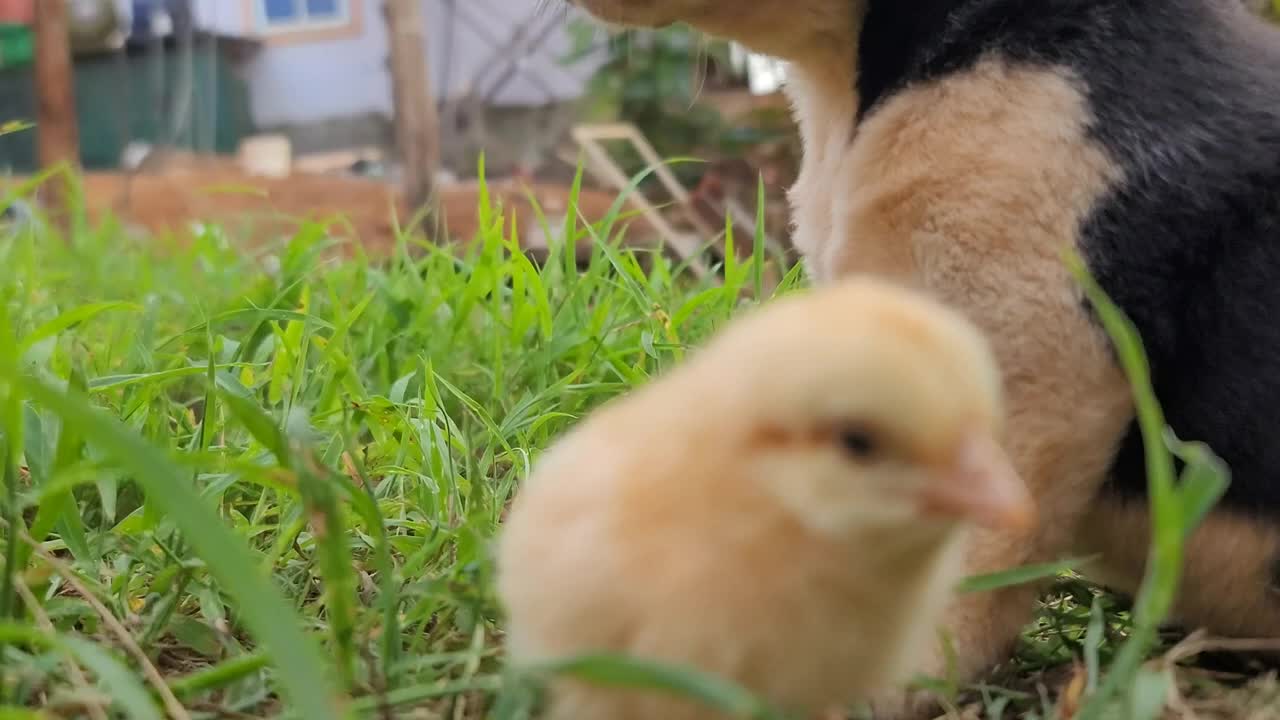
x=859, y=443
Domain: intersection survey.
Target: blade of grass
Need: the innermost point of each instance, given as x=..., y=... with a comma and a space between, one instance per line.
x=326, y=522
x=220, y=676
x=68, y=320
x=758, y=257
x=58, y=509
x=1094, y=637
x=266, y=613
x=1019, y=576
x=78, y=678
x=11, y=444
x=1204, y=481
x=335, y=561
x=619, y=671
x=125, y=689
x=1170, y=521
x=387, y=580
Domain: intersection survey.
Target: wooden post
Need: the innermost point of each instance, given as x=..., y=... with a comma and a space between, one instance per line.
x=416, y=122
x=58, y=136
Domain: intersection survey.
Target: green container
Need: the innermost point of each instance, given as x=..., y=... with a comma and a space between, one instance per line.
x=16, y=45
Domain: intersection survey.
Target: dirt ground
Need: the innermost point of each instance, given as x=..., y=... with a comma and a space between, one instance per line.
x=166, y=203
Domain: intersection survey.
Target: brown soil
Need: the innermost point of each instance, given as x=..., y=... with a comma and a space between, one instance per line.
x=257, y=209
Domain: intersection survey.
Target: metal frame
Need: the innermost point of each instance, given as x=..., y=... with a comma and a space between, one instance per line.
x=464, y=113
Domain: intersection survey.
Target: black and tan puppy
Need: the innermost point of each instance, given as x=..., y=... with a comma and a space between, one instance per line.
x=961, y=145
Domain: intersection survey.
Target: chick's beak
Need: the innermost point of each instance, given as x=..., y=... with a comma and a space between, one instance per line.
x=980, y=484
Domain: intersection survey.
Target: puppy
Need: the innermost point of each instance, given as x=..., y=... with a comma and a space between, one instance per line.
x=960, y=146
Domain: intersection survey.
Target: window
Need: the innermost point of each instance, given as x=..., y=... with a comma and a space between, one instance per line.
x=288, y=15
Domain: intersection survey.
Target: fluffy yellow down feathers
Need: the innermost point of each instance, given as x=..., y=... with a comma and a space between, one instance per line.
x=786, y=510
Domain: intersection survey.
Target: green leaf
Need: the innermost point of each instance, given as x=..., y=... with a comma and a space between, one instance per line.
x=1204, y=481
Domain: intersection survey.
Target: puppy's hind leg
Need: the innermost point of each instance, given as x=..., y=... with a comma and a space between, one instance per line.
x=1231, y=572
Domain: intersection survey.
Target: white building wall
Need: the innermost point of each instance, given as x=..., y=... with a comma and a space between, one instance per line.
x=304, y=81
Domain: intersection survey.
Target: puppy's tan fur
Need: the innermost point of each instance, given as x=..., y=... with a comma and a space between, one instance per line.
x=973, y=189
x=1227, y=577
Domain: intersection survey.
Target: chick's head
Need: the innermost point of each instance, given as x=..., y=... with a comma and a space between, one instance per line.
x=866, y=405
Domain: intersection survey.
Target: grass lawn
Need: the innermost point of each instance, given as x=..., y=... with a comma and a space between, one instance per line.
x=262, y=484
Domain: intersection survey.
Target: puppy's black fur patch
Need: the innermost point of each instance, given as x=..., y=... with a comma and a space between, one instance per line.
x=1185, y=97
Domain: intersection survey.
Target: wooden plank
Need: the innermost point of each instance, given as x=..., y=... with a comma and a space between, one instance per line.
x=57, y=132
x=588, y=138
x=591, y=137
x=416, y=121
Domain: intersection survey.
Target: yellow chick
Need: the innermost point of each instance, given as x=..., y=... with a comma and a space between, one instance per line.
x=786, y=510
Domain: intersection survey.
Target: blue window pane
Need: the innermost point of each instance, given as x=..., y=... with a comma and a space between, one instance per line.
x=323, y=9
x=280, y=10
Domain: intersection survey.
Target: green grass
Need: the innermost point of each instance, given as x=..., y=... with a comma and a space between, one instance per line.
x=266, y=489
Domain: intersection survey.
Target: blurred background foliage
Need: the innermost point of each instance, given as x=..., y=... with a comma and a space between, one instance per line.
x=687, y=94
